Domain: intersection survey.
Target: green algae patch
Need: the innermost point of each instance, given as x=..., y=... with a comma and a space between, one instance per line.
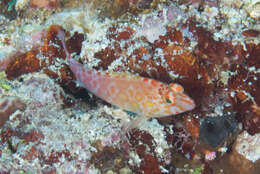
x=197, y=170
x=4, y=84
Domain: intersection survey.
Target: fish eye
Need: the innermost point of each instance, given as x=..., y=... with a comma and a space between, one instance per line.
x=168, y=100
x=170, y=97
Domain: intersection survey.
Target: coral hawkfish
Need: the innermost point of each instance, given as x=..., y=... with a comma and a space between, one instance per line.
x=144, y=96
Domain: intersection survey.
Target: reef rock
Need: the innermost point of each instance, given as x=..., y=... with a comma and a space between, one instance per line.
x=246, y=154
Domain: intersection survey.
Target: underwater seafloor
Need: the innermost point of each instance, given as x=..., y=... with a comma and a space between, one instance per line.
x=51, y=125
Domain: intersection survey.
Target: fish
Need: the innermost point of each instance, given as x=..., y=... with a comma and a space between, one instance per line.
x=146, y=97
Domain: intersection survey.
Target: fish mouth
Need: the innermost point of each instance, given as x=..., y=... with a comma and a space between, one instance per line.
x=185, y=103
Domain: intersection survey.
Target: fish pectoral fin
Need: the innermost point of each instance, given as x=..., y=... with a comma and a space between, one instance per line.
x=79, y=83
x=127, y=127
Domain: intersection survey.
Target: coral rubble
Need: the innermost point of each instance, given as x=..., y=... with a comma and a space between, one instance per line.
x=50, y=124
x=8, y=105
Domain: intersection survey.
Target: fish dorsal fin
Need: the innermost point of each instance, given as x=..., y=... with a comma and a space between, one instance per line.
x=123, y=74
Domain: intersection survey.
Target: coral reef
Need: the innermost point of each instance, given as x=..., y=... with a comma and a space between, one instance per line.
x=8, y=105
x=44, y=133
x=25, y=63
x=202, y=45
x=245, y=157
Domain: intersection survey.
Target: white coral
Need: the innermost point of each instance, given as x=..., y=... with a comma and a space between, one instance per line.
x=249, y=146
x=21, y=4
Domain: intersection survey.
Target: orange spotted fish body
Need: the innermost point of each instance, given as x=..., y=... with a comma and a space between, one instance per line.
x=144, y=96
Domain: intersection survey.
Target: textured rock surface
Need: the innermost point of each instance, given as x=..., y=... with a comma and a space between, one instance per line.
x=214, y=130
x=8, y=105
x=246, y=155
x=203, y=45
